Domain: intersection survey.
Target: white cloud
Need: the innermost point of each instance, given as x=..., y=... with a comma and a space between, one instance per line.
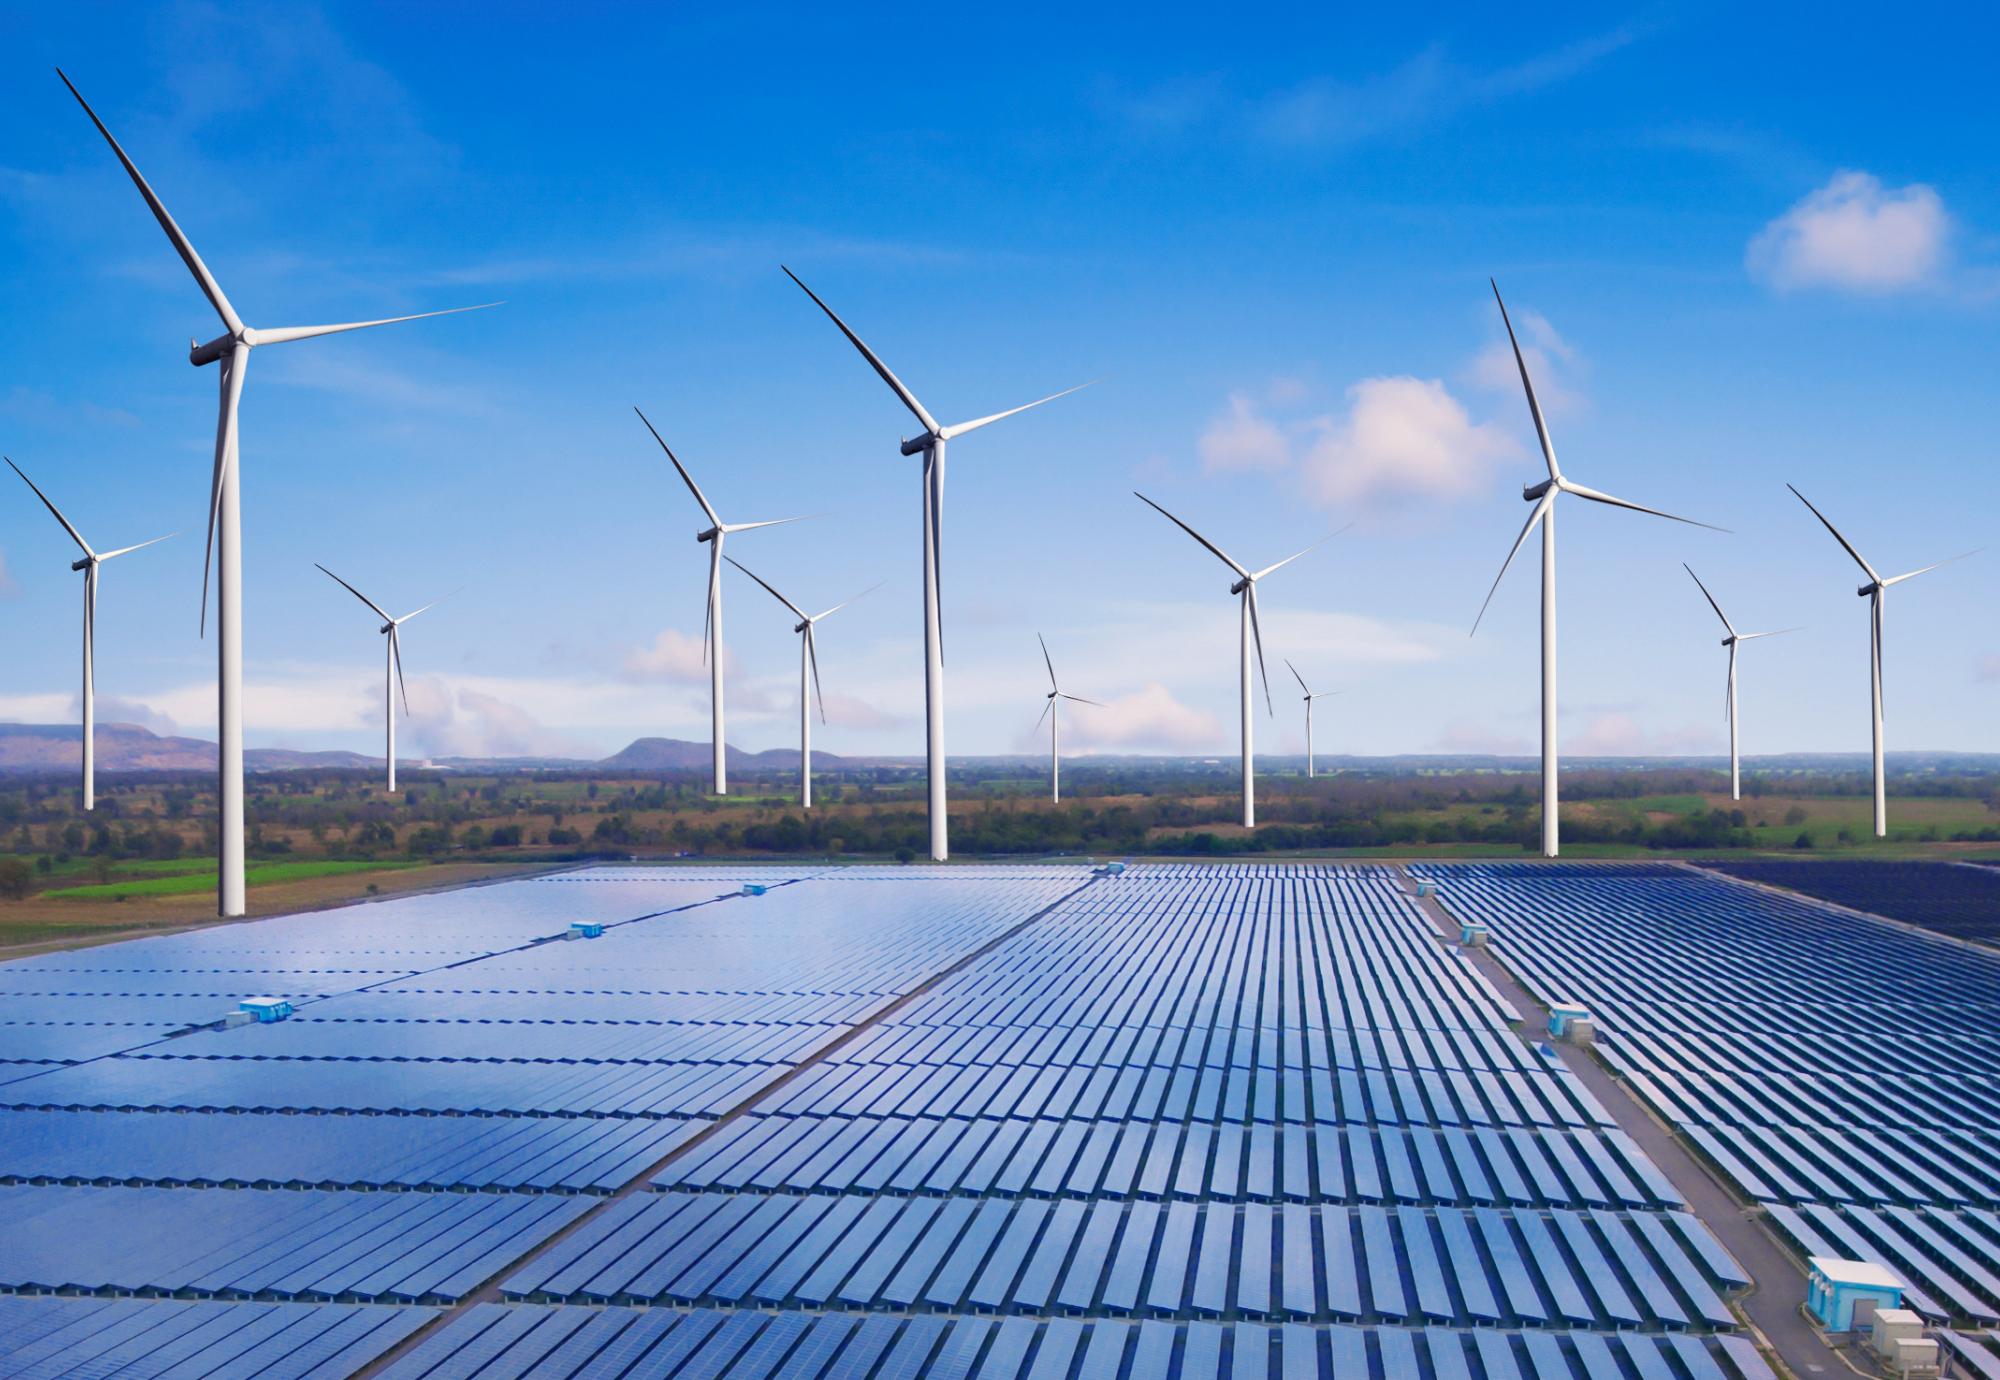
x=673, y=656
x=113, y=710
x=851, y=711
x=1244, y=439
x=448, y=721
x=1478, y=737
x=1150, y=719
x=1988, y=668
x=1617, y=734
x=1401, y=436
x=1857, y=235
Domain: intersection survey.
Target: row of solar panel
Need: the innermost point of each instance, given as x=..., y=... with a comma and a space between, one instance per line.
x=1950, y=1256
x=311, y=1244
x=1551, y=1096
x=279, y=1150
x=1485, y=1265
x=520, y=1041
x=1134, y=1159
x=519, y=1342
x=1860, y=1153
x=52, y=1338
x=1216, y=1045
x=300, y=1085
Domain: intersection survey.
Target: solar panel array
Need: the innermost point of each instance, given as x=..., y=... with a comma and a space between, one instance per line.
x=1959, y=899
x=1838, y=1069
x=441, y=1043
x=1193, y=1121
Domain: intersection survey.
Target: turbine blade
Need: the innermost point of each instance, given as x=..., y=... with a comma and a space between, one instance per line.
x=225, y=457
x=686, y=478
x=352, y=590
x=1845, y=544
x=1778, y=632
x=431, y=605
x=1898, y=579
x=209, y=287
x=1710, y=597
x=845, y=602
x=1596, y=497
x=767, y=588
x=774, y=522
x=1729, y=683
x=812, y=659
x=875, y=361
x=1191, y=532
x=1081, y=700
x=962, y=427
x=1296, y=554
x=937, y=540
x=708, y=606
x=74, y=535
x=1528, y=386
x=1297, y=677
x=128, y=550
x=1048, y=703
x=281, y=334
x=396, y=655
x=1257, y=632
x=1540, y=510
x=1047, y=662
x=1875, y=636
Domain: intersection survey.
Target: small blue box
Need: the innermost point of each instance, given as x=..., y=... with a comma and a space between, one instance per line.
x=1427, y=889
x=1114, y=869
x=585, y=929
x=266, y=1009
x=754, y=888
x=1564, y=1014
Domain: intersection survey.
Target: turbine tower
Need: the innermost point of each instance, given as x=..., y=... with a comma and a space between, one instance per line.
x=1310, y=696
x=711, y=622
x=808, y=666
x=931, y=445
x=1543, y=496
x=88, y=565
x=1873, y=592
x=231, y=350
x=1052, y=711
x=1729, y=699
x=1250, y=631
x=392, y=673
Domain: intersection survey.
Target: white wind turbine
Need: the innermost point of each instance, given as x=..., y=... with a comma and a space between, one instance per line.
x=1310, y=695
x=392, y=672
x=1729, y=701
x=1251, y=631
x=231, y=350
x=931, y=445
x=1052, y=711
x=88, y=565
x=808, y=666
x=1543, y=496
x=1874, y=591
x=711, y=621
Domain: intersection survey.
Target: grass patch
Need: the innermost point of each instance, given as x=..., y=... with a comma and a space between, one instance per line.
x=202, y=878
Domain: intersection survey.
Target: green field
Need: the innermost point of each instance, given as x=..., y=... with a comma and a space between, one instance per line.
x=186, y=878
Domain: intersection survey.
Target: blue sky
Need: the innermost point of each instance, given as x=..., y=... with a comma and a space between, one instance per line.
x=1743, y=249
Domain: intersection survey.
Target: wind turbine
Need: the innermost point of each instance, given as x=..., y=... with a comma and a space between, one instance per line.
x=1052, y=711
x=931, y=445
x=1310, y=696
x=1543, y=496
x=231, y=350
x=1729, y=701
x=1251, y=631
x=1873, y=591
x=711, y=622
x=88, y=565
x=392, y=673
x=808, y=665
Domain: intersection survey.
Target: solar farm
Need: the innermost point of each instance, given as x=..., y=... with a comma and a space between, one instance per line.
x=1179, y=1121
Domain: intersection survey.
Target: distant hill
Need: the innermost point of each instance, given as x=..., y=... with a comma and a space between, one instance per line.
x=48, y=749
x=680, y=754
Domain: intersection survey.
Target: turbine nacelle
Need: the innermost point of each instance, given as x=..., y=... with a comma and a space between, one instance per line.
x=1868, y=589
x=1531, y=492
x=919, y=444
x=86, y=563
